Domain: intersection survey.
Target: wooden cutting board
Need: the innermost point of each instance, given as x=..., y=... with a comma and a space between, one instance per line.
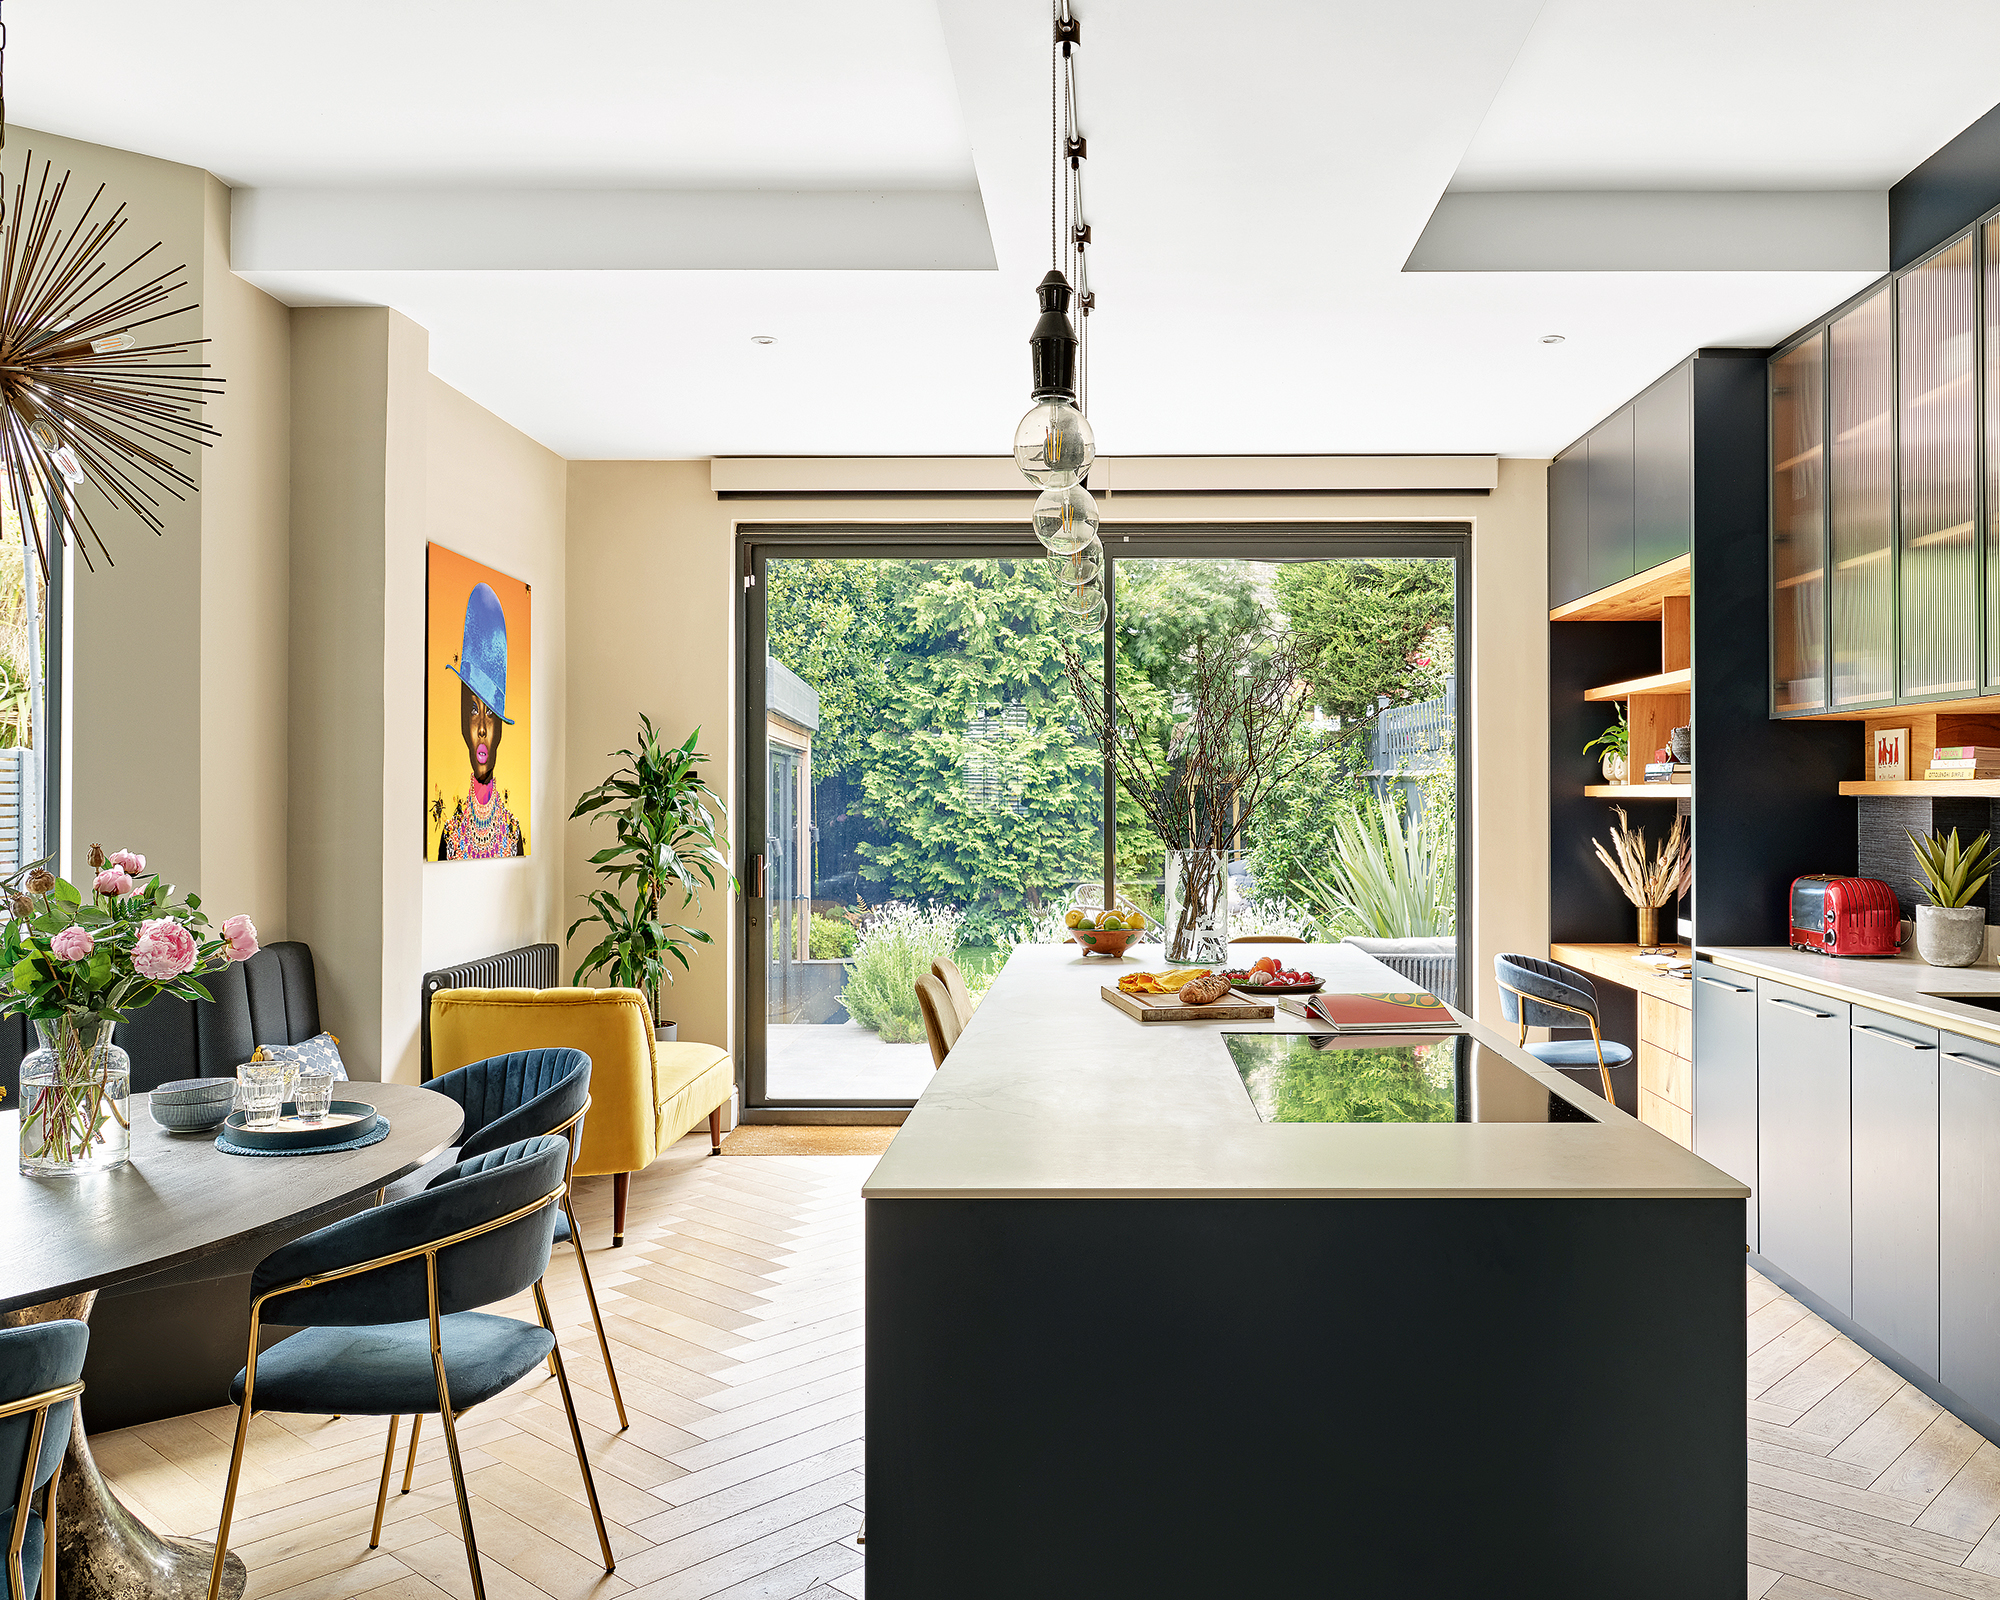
x=1168, y=1008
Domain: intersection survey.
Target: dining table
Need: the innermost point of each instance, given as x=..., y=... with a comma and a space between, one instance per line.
x=177, y=1199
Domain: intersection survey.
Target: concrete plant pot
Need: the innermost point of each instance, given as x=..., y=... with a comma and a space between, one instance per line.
x=667, y=1032
x=1951, y=936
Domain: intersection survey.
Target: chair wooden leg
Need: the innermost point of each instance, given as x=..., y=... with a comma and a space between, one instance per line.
x=575, y=1431
x=715, y=1131
x=410, y=1467
x=621, y=1187
x=596, y=1316
x=382, y=1494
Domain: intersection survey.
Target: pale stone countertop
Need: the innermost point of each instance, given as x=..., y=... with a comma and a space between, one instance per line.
x=1903, y=986
x=1052, y=1093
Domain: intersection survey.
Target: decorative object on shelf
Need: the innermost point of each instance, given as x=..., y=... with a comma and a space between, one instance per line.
x=474, y=702
x=1649, y=879
x=1680, y=741
x=670, y=826
x=77, y=964
x=1614, y=744
x=1892, y=755
x=1951, y=930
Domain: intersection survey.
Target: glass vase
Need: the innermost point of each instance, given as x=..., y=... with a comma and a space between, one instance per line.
x=1197, y=912
x=76, y=1096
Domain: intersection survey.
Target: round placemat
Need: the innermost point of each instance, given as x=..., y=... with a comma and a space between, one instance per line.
x=374, y=1135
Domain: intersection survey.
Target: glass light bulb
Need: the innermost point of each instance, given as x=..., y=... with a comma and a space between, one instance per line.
x=68, y=466
x=1082, y=566
x=1085, y=606
x=113, y=342
x=1066, y=520
x=1054, y=445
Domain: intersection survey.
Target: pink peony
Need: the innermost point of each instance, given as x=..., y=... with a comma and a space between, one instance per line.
x=132, y=863
x=163, y=950
x=114, y=880
x=72, y=944
x=241, y=933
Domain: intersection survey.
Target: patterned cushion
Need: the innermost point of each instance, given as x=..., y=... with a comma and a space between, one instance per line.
x=321, y=1050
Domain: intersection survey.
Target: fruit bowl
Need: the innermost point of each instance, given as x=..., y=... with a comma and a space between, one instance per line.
x=1105, y=941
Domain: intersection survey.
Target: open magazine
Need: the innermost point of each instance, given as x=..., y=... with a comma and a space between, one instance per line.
x=1412, y=1012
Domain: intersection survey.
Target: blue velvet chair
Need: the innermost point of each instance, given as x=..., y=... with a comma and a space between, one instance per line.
x=1540, y=994
x=387, y=1307
x=41, y=1374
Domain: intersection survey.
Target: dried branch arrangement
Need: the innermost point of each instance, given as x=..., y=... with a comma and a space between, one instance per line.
x=82, y=400
x=1647, y=880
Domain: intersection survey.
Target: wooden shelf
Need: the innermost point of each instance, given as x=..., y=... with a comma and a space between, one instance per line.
x=1637, y=599
x=1685, y=791
x=1971, y=788
x=1675, y=683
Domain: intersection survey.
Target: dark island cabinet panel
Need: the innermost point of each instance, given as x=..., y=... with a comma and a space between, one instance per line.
x=1663, y=470
x=1969, y=1221
x=1804, y=1133
x=1611, y=501
x=1894, y=1064
x=1725, y=1079
x=1569, y=525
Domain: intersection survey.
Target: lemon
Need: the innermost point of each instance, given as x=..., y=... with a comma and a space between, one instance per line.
x=1136, y=921
x=1073, y=919
x=1111, y=921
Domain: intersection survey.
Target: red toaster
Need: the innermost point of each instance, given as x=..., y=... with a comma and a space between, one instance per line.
x=1846, y=917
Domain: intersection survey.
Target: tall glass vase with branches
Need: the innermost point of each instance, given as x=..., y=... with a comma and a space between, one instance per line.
x=670, y=840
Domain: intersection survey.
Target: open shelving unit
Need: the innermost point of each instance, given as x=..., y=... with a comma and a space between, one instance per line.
x=1641, y=791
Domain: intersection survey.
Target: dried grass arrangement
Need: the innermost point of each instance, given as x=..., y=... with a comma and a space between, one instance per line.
x=1648, y=880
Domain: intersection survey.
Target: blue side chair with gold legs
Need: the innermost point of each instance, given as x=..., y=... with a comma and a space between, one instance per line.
x=41, y=1374
x=387, y=1307
x=1540, y=994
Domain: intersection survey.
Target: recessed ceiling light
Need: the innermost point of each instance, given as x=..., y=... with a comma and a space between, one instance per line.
x=762, y=338
x=1552, y=338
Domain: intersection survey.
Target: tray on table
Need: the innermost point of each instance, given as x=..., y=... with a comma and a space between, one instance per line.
x=345, y=1121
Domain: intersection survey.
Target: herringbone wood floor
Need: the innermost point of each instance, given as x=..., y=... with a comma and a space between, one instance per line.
x=735, y=1314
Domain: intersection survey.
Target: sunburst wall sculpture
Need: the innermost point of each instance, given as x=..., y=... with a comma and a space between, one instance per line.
x=88, y=410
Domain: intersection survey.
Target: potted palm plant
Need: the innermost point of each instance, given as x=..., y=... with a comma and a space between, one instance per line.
x=1951, y=930
x=670, y=841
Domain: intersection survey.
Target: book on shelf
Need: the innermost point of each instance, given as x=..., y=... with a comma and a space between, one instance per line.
x=1967, y=763
x=1668, y=772
x=1414, y=1011
x=1948, y=774
x=1966, y=752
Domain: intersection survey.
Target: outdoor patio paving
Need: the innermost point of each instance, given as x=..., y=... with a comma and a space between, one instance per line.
x=841, y=1061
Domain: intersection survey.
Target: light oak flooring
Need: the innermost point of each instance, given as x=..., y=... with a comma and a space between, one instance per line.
x=1860, y=1485
x=735, y=1314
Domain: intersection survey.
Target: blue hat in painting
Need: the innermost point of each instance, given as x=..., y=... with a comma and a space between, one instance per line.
x=482, y=661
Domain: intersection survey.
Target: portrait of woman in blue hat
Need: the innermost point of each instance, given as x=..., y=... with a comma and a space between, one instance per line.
x=479, y=823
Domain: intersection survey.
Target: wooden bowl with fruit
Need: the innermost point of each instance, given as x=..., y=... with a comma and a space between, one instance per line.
x=1105, y=933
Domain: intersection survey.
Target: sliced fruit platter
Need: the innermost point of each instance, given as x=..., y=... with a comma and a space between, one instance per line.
x=1104, y=933
x=1271, y=976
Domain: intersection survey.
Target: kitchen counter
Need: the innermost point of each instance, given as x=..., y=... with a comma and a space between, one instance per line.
x=1903, y=986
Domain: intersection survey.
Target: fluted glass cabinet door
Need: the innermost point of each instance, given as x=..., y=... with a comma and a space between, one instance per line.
x=1798, y=530
x=1991, y=236
x=1937, y=448
x=1861, y=475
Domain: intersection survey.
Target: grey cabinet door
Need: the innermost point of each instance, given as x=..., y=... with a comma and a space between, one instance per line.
x=1969, y=1221
x=1895, y=1103
x=1725, y=1079
x=1611, y=501
x=1663, y=470
x=1569, y=525
x=1805, y=1218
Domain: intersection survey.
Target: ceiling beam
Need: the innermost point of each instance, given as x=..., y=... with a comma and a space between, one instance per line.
x=1608, y=230
x=597, y=230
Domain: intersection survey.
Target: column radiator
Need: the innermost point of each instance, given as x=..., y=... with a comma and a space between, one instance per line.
x=533, y=966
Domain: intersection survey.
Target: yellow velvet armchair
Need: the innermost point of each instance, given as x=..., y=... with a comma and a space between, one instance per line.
x=643, y=1095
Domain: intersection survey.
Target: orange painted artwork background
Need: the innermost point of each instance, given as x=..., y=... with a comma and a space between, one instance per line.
x=477, y=653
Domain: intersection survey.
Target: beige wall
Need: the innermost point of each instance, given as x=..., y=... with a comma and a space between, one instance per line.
x=653, y=588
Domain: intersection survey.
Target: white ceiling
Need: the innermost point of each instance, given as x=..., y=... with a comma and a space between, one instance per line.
x=1258, y=176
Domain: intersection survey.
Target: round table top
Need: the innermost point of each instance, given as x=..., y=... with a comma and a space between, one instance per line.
x=179, y=1198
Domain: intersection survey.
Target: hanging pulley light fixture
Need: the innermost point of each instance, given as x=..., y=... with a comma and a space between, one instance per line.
x=1054, y=446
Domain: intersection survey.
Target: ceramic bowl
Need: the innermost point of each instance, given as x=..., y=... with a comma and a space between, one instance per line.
x=192, y=1105
x=1106, y=941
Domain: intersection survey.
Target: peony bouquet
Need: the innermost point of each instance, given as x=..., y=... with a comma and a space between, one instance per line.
x=76, y=961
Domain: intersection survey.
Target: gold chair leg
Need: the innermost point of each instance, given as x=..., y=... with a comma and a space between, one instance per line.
x=1603, y=1071
x=382, y=1494
x=410, y=1467
x=451, y=1437
x=575, y=1431
x=596, y=1316
x=49, y=1535
x=17, y=1577
x=244, y=1410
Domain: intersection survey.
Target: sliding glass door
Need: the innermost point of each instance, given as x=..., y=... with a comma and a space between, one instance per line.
x=920, y=777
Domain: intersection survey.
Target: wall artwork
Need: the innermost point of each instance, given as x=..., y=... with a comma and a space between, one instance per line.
x=476, y=747
x=1892, y=755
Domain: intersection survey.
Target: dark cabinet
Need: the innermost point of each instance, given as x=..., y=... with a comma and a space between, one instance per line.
x=1611, y=501
x=1969, y=1221
x=1804, y=1157
x=1569, y=525
x=1725, y=1079
x=1894, y=1097
x=1663, y=470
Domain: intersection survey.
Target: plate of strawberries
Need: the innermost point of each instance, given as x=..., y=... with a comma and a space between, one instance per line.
x=1271, y=976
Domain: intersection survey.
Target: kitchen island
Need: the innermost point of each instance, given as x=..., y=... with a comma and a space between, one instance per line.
x=1127, y=1337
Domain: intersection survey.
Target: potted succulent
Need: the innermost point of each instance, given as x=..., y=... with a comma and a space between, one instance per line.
x=1614, y=743
x=670, y=841
x=1951, y=930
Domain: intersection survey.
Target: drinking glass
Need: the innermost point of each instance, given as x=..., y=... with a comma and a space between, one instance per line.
x=262, y=1094
x=313, y=1092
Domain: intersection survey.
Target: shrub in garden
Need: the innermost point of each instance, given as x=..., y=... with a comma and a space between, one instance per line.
x=897, y=946
x=833, y=938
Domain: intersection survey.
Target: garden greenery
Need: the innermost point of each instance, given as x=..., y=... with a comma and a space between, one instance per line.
x=898, y=943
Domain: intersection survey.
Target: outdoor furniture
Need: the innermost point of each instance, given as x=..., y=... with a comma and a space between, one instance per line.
x=41, y=1374
x=387, y=1307
x=644, y=1094
x=940, y=1017
x=1431, y=964
x=1539, y=994
x=1267, y=938
x=945, y=970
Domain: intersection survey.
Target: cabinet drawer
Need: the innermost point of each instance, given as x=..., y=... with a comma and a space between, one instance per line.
x=1667, y=1117
x=1667, y=1075
x=1804, y=1132
x=1667, y=1025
